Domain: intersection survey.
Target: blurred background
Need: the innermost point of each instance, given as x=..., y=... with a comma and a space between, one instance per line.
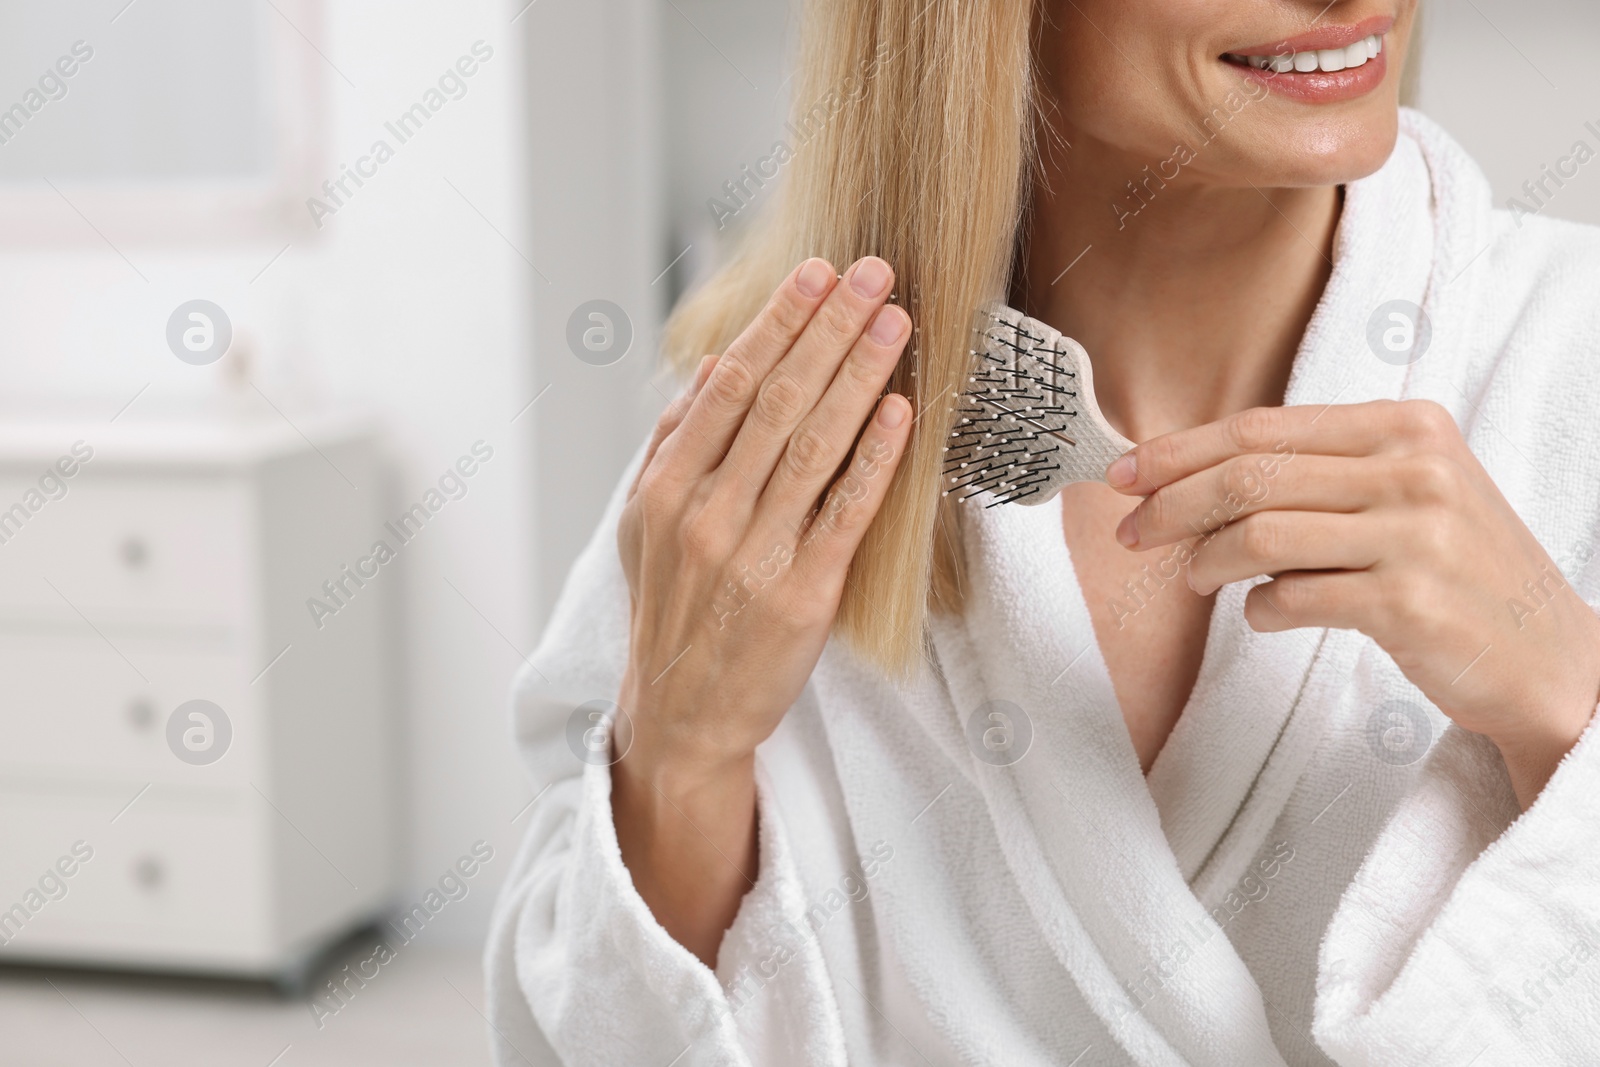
x=326, y=327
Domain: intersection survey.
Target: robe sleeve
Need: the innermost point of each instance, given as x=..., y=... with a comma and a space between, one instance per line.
x=1471, y=934
x=579, y=971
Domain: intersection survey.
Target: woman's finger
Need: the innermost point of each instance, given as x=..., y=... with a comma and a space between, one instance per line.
x=1330, y=429
x=1339, y=599
x=1203, y=503
x=1271, y=542
x=829, y=542
x=822, y=440
x=795, y=385
x=672, y=418
x=720, y=408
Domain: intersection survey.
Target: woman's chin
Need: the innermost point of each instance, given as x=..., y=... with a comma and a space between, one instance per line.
x=1313, y=155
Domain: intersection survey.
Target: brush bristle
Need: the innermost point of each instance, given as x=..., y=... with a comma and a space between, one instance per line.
x=1017, y=415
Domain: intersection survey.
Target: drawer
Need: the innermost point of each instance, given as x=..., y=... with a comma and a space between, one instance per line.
x=75, y=708
x=171, y=881
x=126, y=549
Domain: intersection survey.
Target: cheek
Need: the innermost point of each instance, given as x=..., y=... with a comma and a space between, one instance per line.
x=1141, y=76
x=1130, y=72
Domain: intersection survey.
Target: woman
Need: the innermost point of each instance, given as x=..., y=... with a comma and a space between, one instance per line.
x=1104, y=781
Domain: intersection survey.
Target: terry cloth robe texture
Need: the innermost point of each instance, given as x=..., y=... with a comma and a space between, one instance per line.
x=1320, y=867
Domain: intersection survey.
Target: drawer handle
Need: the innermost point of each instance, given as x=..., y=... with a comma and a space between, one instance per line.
x=135, y=553
x=141, y=714
x=149, y=873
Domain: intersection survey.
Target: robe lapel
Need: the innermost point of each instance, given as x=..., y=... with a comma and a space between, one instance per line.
x=1235, y=718
x=1079, y=830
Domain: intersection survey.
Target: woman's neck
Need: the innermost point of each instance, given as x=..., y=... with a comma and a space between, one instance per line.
x=1190, y=299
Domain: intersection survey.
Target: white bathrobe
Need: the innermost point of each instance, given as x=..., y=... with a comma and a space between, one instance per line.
x=1311, y=874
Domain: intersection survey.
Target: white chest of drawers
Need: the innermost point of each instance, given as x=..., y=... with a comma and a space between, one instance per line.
x=174, y=564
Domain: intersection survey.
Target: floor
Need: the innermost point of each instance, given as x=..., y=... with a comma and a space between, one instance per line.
x=423, y=1008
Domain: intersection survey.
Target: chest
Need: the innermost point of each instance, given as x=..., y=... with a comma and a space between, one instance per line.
x=1151, y=628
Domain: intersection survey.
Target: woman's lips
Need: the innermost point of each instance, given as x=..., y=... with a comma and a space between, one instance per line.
x=1282, y=66
x=1322, y=87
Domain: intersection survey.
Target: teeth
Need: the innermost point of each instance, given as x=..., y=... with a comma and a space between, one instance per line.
x=1327, y=60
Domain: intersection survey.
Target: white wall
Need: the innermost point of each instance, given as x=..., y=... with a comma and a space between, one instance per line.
x=594, y=183
x=408, y=303
x=421, y=307
x=1515, y=81
x=725, y=74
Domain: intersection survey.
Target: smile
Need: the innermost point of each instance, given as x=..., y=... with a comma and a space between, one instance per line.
x=1326, y=60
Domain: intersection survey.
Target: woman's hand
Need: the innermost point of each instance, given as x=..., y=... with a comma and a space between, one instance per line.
x=735, y=540
x=1377, y=517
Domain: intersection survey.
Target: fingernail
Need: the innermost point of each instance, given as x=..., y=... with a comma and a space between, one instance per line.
x=891, y=413
x=888, y=326
x=1122, y=472
x=1128, y=530
x=814, y=276
x=871, y=277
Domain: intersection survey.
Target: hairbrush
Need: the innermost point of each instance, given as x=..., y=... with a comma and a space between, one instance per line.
x=1027, y=423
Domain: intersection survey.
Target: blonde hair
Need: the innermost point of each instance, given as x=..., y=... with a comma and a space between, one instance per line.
x=925, y=168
